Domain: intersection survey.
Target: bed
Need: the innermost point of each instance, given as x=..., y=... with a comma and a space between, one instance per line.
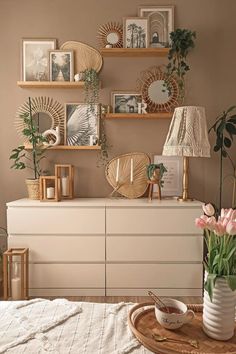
x=41, y=326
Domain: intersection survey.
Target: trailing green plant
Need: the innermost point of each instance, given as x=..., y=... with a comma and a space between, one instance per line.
x=225, y=129
x=182, y=41
x=91, y=85
x=29, y=159
x=103, y=154
x=151, y=169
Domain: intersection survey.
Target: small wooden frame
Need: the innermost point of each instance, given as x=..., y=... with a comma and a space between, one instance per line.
x=50, y=189
x=66, y=181
x=16, y=285
x=150, y=189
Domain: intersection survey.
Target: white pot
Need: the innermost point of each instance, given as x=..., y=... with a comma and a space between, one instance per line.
x=219, y=315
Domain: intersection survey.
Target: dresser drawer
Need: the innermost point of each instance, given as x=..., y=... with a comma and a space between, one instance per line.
x=67, y=276
x=49, y=220
x=52, y=248
x=154, y=248
x=154, y=275
x=152, y=220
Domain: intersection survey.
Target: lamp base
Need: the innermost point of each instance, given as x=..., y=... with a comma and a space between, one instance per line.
x=181, y=199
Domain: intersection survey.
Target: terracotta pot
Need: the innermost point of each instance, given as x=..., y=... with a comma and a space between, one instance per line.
x=33, y=188
x=219, y=315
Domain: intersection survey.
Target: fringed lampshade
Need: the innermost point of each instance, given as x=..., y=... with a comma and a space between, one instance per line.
x=187, y=137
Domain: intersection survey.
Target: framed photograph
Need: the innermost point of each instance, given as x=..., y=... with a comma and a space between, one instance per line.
x=135, y=32
x=173, y=177
x=35, y=61
x=61, y=65
x=81, y=124
x=160, y=23
x=125, y=101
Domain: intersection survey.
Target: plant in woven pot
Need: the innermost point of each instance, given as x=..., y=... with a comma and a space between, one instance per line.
x=155, y=172
x=24, y=158
x=220, y=276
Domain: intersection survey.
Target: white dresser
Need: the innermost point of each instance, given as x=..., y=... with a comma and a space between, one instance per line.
x=109, y=246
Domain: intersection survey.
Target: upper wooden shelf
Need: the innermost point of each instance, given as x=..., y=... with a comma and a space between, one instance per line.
x=158, y=115
x=134, y=52
x=51, y=84
x=68, y=147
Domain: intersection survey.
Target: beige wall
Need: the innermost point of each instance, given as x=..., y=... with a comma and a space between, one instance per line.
x=210, y=83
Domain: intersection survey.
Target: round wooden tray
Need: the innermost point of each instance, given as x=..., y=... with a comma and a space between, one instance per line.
x=143, y=324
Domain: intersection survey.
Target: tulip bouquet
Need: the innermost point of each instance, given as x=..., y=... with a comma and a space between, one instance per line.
x=220, y=237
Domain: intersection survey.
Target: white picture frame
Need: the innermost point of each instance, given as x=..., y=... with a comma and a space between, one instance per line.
x=173, y=177
x=135, y=32
x=160, y=23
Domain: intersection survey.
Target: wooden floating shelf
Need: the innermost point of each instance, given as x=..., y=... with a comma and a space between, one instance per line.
x=68, y=147
x=161, y=115
x=51, y=84
x=134, y=52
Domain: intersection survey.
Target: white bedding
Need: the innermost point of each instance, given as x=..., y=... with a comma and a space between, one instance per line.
x=62, y=327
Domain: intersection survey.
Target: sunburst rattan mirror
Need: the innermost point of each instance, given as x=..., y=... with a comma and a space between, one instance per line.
x=111, y=34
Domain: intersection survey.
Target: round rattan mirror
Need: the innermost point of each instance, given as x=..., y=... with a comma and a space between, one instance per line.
x=46, y=113
x=159, y=96
x=111, y=33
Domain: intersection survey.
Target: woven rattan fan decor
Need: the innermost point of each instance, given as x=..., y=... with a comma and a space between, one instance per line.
x=86, y=57
x=129, y=184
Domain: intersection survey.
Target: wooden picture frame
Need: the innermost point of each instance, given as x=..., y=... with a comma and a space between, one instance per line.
x=133, y=37
x=61, y=65
x=133, y=97
x=173, y=177
x=82, y=126
x=34, y=58
x=160, y=22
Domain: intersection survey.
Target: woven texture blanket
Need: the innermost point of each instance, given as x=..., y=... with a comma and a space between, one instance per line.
x=41, y=326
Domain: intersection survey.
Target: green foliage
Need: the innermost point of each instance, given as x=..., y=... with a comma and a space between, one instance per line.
x=103, y=155
x=152, y=167
x=91, y=81
x=224, y=129
x=221, y=260
x=23, y=158
x=182, y=41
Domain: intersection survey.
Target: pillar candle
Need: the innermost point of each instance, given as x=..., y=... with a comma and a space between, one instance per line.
x=65, y=186
x=15, y=288
x=50, y=192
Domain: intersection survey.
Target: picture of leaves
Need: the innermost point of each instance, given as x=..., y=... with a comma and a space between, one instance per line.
x=82, y=124
x=135, y=33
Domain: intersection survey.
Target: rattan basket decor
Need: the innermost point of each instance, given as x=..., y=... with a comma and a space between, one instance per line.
x=124, y=186
x=143, y=324
x=33, y=188
x=85, y=56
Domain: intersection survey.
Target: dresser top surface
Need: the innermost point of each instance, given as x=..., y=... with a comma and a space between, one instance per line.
x=107, y=202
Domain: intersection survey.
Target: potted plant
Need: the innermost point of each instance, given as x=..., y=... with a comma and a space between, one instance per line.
x=182, y=41
x=24, y=158
x=225, y=129
x=220, y=266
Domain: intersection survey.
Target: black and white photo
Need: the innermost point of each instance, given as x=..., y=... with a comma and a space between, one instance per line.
x=81, y=124
x=125, y=102
x=160, y=24
x=35, y=61
x=135, y=32
x=61, y=65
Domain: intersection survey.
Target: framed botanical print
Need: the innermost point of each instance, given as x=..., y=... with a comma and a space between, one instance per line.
x=173, y=178
x=135, y=32
x=35, y=60
x=61, y=65
x=160, y=23
x=81, y=124
x=125, y=101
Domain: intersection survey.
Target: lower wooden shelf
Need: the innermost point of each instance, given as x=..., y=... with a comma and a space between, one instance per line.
x=158, y=115
x=69, y=147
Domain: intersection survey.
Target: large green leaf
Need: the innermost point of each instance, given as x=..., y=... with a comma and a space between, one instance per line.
x=231, y=280
x=231, y=128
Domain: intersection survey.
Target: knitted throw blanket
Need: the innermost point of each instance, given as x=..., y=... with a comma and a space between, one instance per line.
x=41, y=326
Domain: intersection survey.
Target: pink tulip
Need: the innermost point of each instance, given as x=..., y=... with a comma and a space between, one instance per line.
x=231, y=228
x=199, y=222
x=220, y=229
x=233, y=215
x=211, y=223
x=208, y=209
x=228, y=213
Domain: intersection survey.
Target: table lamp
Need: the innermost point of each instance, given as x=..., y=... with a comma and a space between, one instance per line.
x=187, y=137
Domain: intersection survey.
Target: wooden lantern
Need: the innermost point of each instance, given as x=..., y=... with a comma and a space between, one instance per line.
x=50, y=189
x=66, y=175
x=16, y=274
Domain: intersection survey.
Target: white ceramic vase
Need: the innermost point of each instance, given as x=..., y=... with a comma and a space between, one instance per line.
x=219, y=315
